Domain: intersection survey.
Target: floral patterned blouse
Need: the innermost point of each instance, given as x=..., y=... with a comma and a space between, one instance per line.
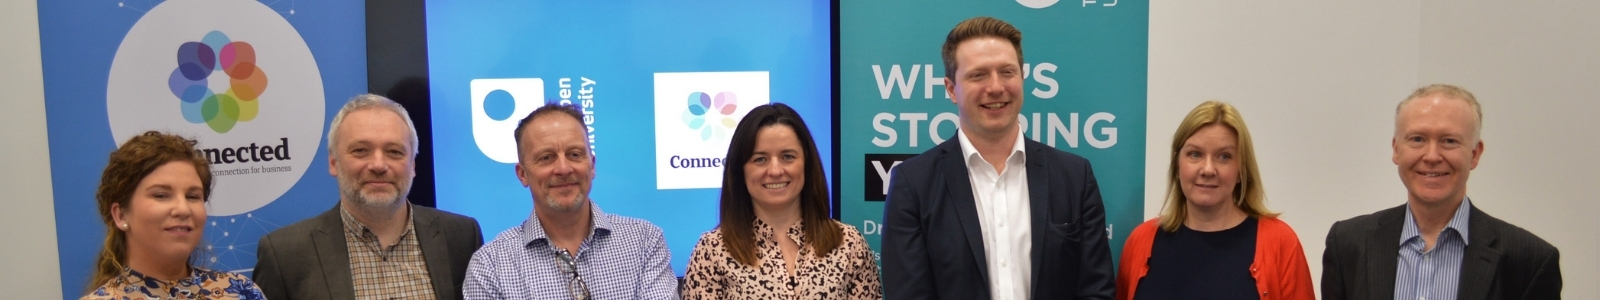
x=201, y=284
x=848, y=272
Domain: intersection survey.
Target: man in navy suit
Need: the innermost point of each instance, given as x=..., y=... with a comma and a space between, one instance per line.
x=1437, y=245
x=990, y=214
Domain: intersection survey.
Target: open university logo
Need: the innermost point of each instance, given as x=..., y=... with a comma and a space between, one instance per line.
x=696, y=113
x=498, y=105
x=260, y=139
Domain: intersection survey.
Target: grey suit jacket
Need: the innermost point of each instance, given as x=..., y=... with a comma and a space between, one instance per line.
x=308, y=260
x=1502, y=261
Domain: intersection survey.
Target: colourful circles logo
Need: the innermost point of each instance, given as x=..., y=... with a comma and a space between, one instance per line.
x=700, y=113
x=190, y=81
x=215, y=90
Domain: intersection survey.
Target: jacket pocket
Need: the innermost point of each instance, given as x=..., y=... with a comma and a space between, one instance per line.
x=1068, y=231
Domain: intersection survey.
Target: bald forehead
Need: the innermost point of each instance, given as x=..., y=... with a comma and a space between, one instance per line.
x=1438, y=103
x=1429, y=101
x=562, y=119
x=546, y=121
x=1445, y=91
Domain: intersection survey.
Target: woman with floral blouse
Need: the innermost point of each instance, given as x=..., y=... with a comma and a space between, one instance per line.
x=152, y=198
x=775, y=240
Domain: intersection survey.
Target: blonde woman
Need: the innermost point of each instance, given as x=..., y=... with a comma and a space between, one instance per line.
x=1215, y=238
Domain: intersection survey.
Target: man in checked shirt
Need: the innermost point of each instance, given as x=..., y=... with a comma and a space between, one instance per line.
x=568, y=248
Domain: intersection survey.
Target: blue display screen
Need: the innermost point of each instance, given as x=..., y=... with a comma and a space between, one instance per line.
x=657, y=81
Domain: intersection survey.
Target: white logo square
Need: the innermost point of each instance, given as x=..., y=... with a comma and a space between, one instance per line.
x=696, y=113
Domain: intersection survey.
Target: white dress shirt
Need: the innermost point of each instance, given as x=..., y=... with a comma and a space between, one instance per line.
x=1003, y=215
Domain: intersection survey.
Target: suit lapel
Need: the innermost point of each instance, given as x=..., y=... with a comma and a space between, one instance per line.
x=1481, y=256
x=1383, y=249
x=332, y=255
x=1038, y=208
x=959, y=184
x=434, y=252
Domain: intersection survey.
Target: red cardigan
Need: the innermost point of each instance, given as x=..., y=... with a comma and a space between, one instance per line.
x=1279, y=269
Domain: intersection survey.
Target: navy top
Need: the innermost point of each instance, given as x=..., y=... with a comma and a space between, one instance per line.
x=1190, y=264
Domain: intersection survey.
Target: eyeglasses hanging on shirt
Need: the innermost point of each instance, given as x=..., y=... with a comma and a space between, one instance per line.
x=575, y=287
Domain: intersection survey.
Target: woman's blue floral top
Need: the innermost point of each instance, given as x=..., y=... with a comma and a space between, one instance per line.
x=201, y=284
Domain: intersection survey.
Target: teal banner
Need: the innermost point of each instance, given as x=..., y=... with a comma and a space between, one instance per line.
x=1084, y=92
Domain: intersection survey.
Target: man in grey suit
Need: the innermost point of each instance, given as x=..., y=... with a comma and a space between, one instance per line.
x=1437, y=245
x=374, y=244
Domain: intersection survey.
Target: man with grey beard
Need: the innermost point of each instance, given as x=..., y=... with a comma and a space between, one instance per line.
x=568, y=248
x=374, y=244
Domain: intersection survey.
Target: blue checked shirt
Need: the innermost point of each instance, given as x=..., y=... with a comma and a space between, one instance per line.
x=1433, y=274
x=624, y=258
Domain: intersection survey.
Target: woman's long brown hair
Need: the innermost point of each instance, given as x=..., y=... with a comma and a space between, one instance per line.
x=738, y=210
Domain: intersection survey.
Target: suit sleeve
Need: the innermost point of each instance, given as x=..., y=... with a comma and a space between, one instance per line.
x=462, y=250
x=267, y=275
x=477, y=235
x=1546, y=282
x=1097, y=277
x=906, y=272
x=1332, y=284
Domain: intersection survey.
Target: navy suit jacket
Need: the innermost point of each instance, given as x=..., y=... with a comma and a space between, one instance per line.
x=933, y=245
x=1502, y=261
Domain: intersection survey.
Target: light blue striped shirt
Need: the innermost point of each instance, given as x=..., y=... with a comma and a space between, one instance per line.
x=623, y=258
x=1436, y=273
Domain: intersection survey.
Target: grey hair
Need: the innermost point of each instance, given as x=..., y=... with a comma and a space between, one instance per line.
x=1449, y=91
x=370, y=101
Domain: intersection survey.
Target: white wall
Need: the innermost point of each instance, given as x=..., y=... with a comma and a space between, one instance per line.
x=30, y=267
x=1535, y=66
x=1317, y=83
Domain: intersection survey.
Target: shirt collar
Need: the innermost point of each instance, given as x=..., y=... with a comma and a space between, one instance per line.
x=764, y=232
x=970, y=153
x=354, y=226
x=533, y=231
x=1458, y=222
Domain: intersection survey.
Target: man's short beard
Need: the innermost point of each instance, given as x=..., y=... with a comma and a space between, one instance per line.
x=377, y=202
x=352, y=190
x=577, y=204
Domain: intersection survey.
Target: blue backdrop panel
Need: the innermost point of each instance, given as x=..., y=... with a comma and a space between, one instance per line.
x=272, y=75
x=634, y=67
